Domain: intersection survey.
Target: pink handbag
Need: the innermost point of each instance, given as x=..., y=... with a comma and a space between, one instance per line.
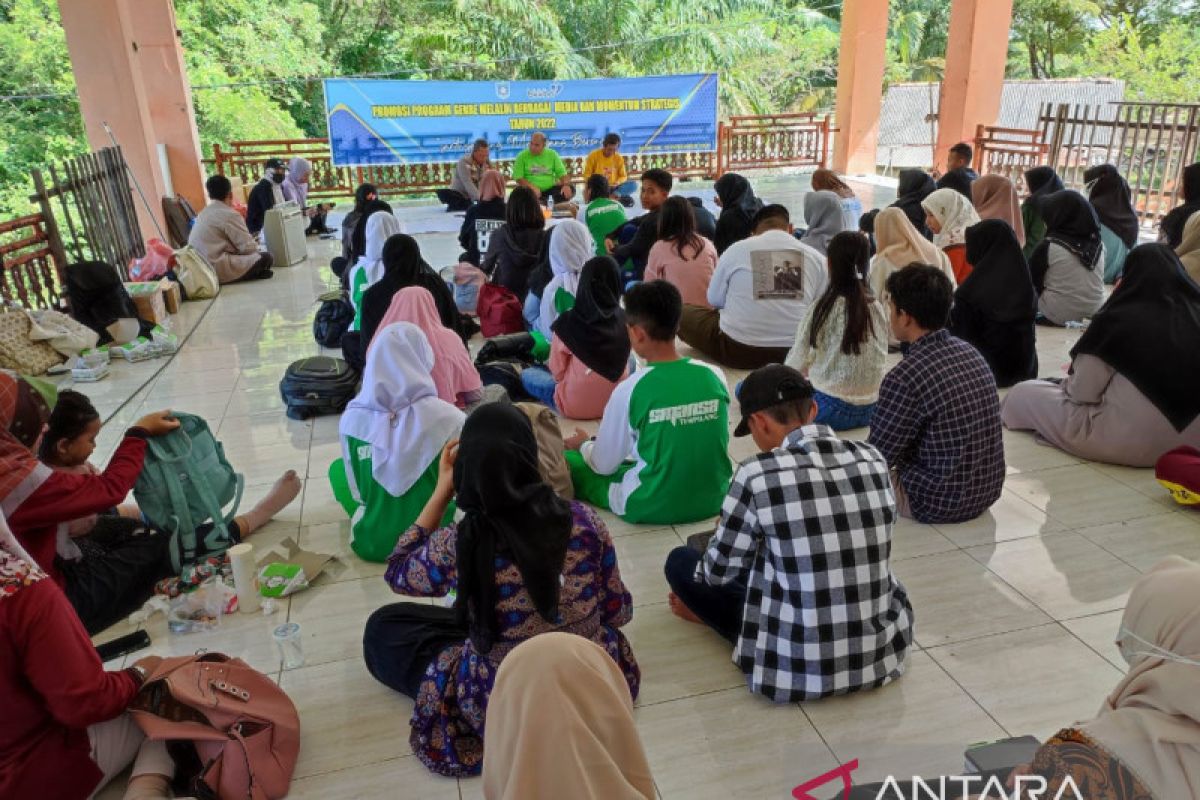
x=244, y=727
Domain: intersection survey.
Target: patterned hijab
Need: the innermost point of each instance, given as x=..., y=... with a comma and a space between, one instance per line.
x=17, y=568
x=23, y=412
x=954, y=211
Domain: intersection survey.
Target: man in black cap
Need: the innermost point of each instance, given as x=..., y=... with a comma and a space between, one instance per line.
x=797, y=574
x=265, y=194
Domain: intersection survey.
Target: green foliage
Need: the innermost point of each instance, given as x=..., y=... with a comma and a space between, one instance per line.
x=1162, y=66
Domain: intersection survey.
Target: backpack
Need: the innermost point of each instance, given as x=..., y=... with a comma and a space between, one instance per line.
x=196, y=275
x=551, y=462
x=507, y=375
x=333, y=318
x=318, y=385
x=499, y=311
x=237, y=732
x=186, y=481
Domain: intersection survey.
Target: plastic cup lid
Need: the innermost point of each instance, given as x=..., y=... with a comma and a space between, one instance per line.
x=287, y=630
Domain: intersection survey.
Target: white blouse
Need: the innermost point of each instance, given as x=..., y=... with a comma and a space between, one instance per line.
x=852, y=378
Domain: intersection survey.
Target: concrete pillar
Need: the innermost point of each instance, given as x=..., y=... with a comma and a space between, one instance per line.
x=976, y=55
x=129, y=73
x=164, y=75
x=860, y=85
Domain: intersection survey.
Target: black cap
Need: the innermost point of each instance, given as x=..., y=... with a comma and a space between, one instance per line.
x=276, y=163
x=769, y=386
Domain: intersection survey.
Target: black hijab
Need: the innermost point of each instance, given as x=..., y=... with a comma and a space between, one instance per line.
x=959, y=180
x=1109, y=194
x=1042, y=181
x=1148, y=330
x=403, y=266
x=508, y=511
x=1172, y=224
x=999, y=285
x=915, y=185
x=360, y=196
x=594, y=330
x=1071, y=222
x=358, y=240
x=738, y=207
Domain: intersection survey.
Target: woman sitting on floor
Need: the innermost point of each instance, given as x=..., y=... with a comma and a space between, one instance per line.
x=841, y=344
x=824, y=218
x=899, y=245
x=1109, y=194
x=913, y=187
x=826, y=180
x=490, y=206
x=995, y=197
x=1041, y=183
x=364, y=194
x=570, y=247
x=64, y=733
x=560, y=724
x=1189, y=248
x=995, y=307
x=948, y=214
x=392, y=434
x=110, y=559
x=453, y=373
x=681, y=256
x=514, y=250
x=589, y=352
x=378, y=227
x=404, y=266
x=522, y=561
x=1133, y=391
x=1068, y=266
x=1170, y=230
x=738, y=205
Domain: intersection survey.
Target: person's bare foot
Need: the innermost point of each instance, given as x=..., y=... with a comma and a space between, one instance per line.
x=282, y=493
x=680, y=610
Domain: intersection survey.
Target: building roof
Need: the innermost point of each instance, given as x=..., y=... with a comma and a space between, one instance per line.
x=906, y=137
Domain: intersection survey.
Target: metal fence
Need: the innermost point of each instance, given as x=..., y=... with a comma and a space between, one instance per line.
x=744, y=143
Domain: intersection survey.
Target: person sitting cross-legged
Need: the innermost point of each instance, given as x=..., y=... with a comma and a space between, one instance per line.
x=797, y=575
x=661, y=454
x=938, y=416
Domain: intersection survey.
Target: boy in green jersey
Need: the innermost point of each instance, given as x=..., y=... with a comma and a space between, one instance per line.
x=602, y=215
x=662, y=454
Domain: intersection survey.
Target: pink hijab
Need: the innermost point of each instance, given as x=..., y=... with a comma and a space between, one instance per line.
x=453, y=373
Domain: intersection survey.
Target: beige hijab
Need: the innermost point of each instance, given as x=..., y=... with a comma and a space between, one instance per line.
x=995, y=197
x=1189, y=249
x=560, y=724
x=1151, y=721
x=900, y=243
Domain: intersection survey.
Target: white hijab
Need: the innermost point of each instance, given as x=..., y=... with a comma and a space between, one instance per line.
x=398, y=411
x=381, y=226
x=954, y=212
x=571, y=246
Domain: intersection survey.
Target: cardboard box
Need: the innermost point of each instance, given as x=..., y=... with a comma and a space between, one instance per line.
x=150, y=302
x=292, y=560
x=172, y=296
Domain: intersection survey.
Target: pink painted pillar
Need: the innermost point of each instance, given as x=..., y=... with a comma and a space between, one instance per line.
x=860, y=85
x=976, y=55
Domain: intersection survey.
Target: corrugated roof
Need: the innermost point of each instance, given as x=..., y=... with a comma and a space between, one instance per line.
x=906, y=138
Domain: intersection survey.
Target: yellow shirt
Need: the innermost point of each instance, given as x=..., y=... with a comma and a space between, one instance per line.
x=611, y=167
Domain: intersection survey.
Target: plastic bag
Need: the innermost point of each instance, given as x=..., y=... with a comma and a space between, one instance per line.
x=159, y=259
x=201, y=609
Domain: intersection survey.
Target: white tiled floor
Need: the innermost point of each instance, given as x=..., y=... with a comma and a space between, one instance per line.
x=1016, y=611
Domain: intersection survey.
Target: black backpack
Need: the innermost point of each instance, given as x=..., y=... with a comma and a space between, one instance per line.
x=333, y=319
x=318, y=385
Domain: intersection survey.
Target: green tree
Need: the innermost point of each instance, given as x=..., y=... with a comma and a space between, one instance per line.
x=1165, y=68
x=1050, y=29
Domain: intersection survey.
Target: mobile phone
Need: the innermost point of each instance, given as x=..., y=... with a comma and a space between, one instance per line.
x=123, y=645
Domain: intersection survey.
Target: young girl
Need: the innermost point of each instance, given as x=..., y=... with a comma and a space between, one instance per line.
x=948, y=214
x=681, y=256
x=111, y=567
x=841, y=344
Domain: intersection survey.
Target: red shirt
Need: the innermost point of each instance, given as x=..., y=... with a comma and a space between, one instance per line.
x=64, y=497
x=957, y=253
x=52, y=687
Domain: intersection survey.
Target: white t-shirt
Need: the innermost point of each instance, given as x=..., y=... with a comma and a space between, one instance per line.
x=763, y=285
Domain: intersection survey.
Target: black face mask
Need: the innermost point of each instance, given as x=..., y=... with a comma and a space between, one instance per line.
x=277, y=177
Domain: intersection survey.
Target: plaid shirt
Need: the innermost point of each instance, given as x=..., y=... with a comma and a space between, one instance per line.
x=938, y=424
x=808, y=527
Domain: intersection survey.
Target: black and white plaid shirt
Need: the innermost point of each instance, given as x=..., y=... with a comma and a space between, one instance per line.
x=808, y=527
x=938, y=424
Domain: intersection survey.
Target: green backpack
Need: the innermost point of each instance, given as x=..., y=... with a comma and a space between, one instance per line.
x=186, y=481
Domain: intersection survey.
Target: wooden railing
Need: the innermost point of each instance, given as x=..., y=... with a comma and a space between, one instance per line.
x=1009, y=152
x=744, y=143
x=30, y=272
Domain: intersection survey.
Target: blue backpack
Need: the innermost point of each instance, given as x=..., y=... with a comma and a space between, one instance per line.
x=186, y=481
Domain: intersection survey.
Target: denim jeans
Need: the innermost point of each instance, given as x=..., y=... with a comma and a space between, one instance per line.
x=540, y=384
x=720, y=607
x=840, y=415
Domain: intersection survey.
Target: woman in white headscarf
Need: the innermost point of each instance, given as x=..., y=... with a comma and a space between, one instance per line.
x=378, y=227
x=1145, y=741
x=295, y=189
x=824, y=217
x=571, y=246
x=949, y=213
x=392, y=435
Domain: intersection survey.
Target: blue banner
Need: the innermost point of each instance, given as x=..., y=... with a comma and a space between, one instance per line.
x=419, y=122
